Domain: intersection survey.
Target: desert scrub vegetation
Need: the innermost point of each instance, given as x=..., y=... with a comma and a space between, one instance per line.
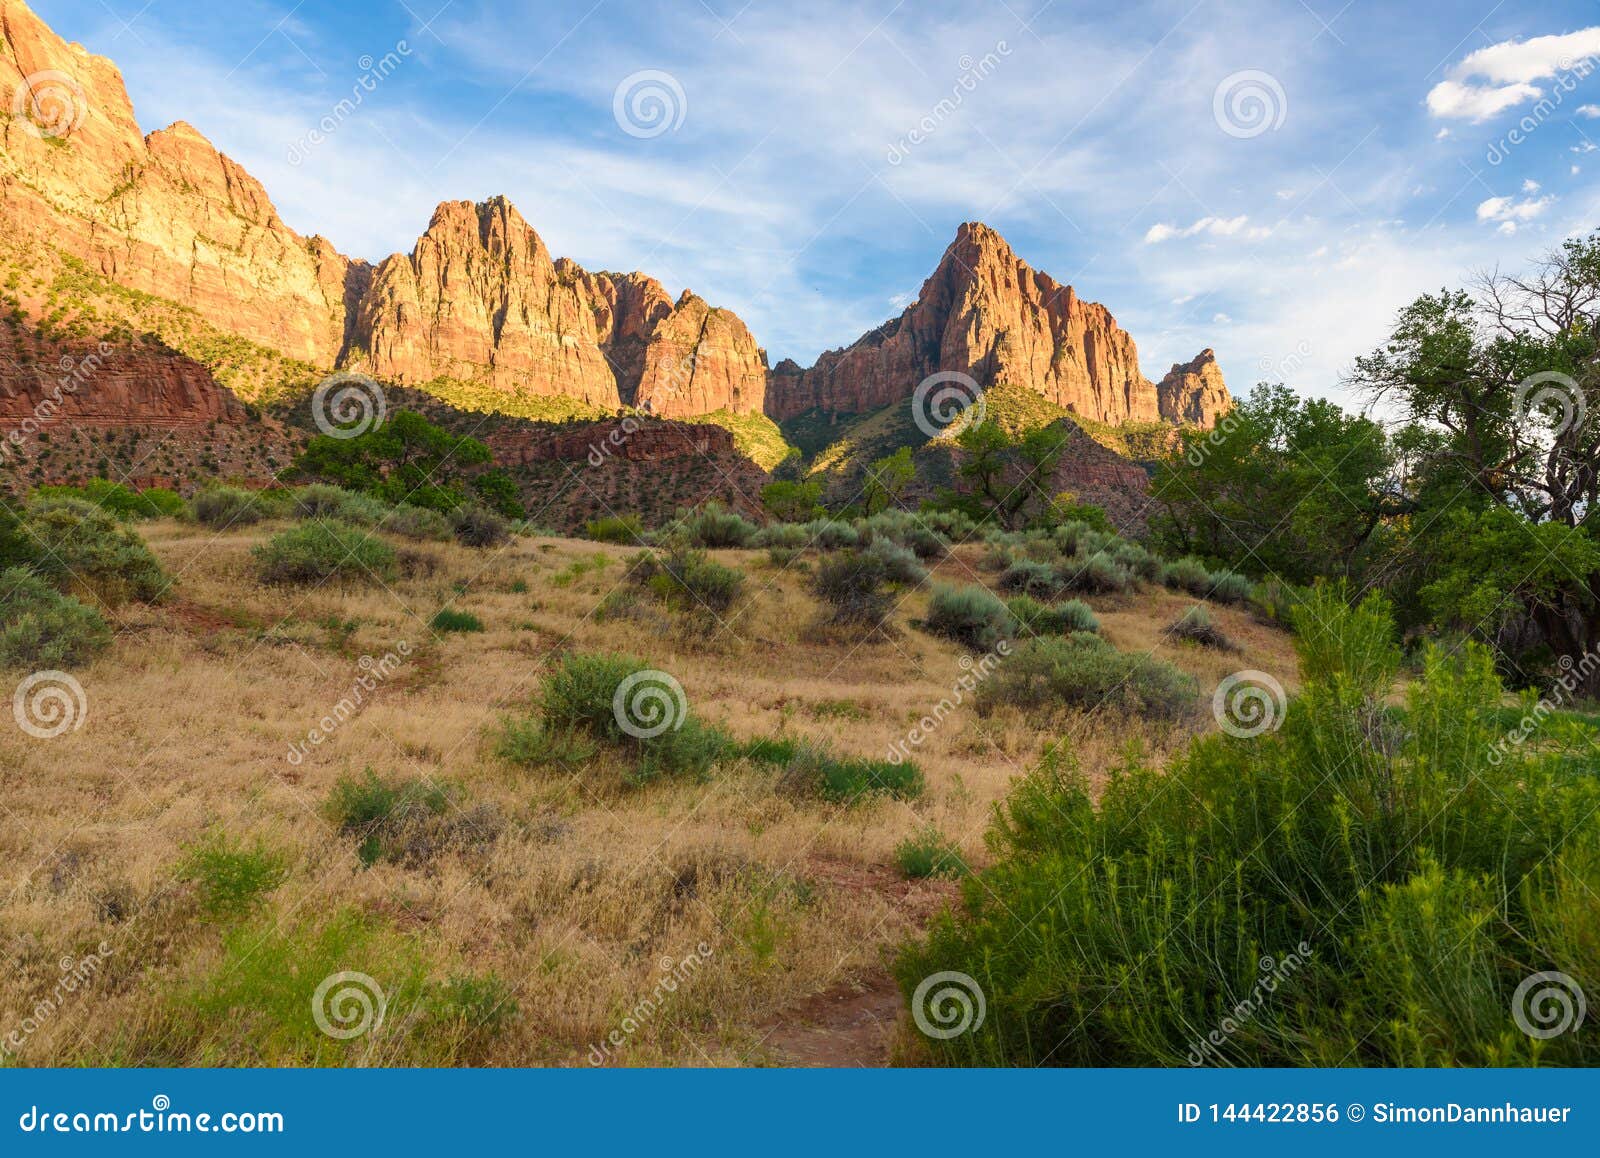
x=971, y=615
x=1064, y=618
x=621, y=705
x=409, y=821
x=480, y=527
x=812, y=770
x=713, y=525
x=1196, y=626
x=42, y=628
x=686, y=580
x=626, y=529
x=1372, y=882
x=854, y=586
x=1083, y=671
x=315, y=552
x=450, y=619
x=121, y=502
x=85, y=551
x=232, y=877
x=929, y=853
x=222, y=508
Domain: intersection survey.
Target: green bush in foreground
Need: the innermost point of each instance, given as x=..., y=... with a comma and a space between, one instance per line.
x=223, y=508
x=84, y=550
x=232, y=878
x=121, y=501
x=449, y=619
x=1364, y=886
x=971, y=615
x=929, y=853
x=317, y=551
x=42, y=628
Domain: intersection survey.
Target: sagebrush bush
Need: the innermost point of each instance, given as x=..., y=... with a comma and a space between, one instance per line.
x=852, y=584
x=223, y=508
x=418, y=523
x=900, y=564
x=84, y=550
x=783, y=537
x=714, y=526
x=1197, y=626
x=1033, y=577
x=831, y=535
x=1187, y=574
x=409, y=821
x=480, y=527
x=1230, y=587
x=812, y=770
x=324, y=501
x=1084, y=671
x=688, y=580
x=1366, y=885
x=42, y=628
x=1035, y=618
x=313, y=552
x=627, y=529
x=1273, y=602
x=971, y=615
x=1096, y=574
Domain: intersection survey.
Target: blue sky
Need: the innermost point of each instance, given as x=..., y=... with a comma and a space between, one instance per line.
x=808, y=176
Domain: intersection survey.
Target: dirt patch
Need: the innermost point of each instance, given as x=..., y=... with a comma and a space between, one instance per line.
x=848, y=1025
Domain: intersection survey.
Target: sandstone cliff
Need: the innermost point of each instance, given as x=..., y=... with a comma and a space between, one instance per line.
x=480, y=299
x=987, y=313
x=1194, y=392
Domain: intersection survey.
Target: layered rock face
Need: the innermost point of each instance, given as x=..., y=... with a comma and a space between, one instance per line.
x=986, y=313
x=165, y=214
x=480, y=299
x=43, y=381
x=1194, y=392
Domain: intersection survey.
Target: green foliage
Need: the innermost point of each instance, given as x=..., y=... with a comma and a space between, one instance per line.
x=1035, y=618
x=900, y=564
x=793, y=502
x=1363, y=886
x=1085, y=672
x=40, y=628
x=323, y=501
x=887, y=480
x=222, y=508
x=1286, y=485
x=479, y=527
x=929, y=853
x=121, y=501
x=853, y=585
x=497, y=490
x=84, y=550
x=314, y=552
x=689, y=581
x=1008, y=477
x=832, y=535
x=616, y=529
x=971, y=615
x=1197, y=626
x=232, y=877
x=449, y=619
x=418, y=523
x=1187, y=574
x=814, y=771
x=405, y=459
x=407, y=821
x=714, y=525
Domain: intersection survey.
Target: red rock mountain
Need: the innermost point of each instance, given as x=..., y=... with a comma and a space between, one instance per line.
x=985, y=312
x=479, y=298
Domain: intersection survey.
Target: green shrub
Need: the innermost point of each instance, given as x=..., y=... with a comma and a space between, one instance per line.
x=232, y=878
x=1084, y=671
x=406, y=821
x=1037, y=618
x=84, y=550
x=814, y=771
x=900, y=564
x=1187, y=574
x=120, y=501
x=1367, y=885
x=40, y=628
x=325, y=501
x=831, y=535
x=852, y=584
x=1098, y=573
x=687, y=580
x=530, y=743
x=713, y=525
x=1273, y=602
x=929, y=853
x=1197, y=626
x=1230, y=587
x=418, y=523
x=783, y=536
x=480, y=527
x=223, y=508
x=449, y=619
x=648, y=719
x=1032, y=577
x=971, y=615
x=314, y=552
x=615, y=529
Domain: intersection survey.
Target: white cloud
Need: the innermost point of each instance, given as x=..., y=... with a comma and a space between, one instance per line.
x=1222, y=320
x=1210, y=226
x=1489, y=81
x=1441, y=135
x=1531, y=186
x=1511, y=213
x=1590, y=111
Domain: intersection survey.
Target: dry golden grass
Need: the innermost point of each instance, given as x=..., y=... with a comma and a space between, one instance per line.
x=590, y=888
